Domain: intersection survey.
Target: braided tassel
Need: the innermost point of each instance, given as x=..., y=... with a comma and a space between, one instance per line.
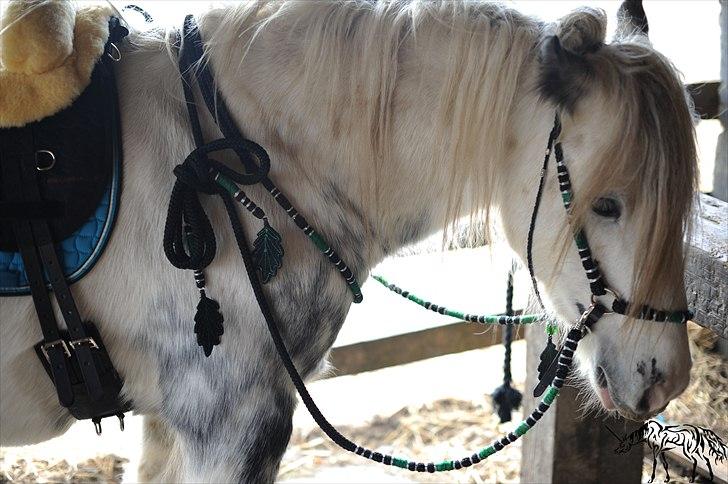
x=505, y=397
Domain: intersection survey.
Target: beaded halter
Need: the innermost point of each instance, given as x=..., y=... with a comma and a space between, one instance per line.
x=190, y=244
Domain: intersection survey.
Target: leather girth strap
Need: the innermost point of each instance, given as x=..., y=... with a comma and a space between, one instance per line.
x=76, y=360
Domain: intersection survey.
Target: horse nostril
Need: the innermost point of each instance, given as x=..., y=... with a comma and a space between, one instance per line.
x=653, y=400
x=643, y=406
x=601, y=377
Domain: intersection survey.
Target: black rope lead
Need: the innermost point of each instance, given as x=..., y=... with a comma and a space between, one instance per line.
x=555, y=132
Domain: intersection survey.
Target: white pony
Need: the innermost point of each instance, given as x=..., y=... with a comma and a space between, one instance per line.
x=385, y=122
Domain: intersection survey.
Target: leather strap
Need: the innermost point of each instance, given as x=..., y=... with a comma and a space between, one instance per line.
x=81, y=343
x=55, y=348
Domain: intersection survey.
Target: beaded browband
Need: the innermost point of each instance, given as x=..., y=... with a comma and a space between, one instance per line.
x=190, y=244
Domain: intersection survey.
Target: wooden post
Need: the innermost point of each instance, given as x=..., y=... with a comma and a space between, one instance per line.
x=565, y=447
x=720, y=172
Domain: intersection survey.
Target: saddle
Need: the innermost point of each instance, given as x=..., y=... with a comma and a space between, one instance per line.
x=60, y=175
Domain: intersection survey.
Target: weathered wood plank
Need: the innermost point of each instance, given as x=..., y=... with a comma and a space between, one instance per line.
x=567, y=448
x=406, y=348
x=707, y=267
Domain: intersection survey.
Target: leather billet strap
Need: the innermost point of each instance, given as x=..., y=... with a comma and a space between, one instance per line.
x=20, y=184
x=55, y=348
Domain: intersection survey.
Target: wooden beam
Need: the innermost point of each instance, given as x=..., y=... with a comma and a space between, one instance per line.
x=707, y=267
x=406, y=348
x=705, y=98
x=568, y=448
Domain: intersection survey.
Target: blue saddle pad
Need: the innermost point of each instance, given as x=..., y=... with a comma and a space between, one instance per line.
x=77, y=253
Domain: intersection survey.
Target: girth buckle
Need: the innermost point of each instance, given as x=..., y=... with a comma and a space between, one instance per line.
x=89, y=341
x=53, y=344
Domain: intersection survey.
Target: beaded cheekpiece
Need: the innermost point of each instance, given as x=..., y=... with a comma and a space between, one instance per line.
x=190, y=244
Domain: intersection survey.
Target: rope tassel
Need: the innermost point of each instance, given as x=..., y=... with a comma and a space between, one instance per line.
x=505, y=397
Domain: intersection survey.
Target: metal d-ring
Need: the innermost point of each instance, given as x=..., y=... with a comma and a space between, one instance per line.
x=114, y=52
x=47, y=166
x=609, y=308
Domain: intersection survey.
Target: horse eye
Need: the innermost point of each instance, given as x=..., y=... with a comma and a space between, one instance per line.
x=607, y=207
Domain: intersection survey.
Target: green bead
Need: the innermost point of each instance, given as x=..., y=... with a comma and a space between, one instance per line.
x=226, y=183
x=522, y=429
x=551, y=329
x=675, y=318
x=487, y=452
x=319, y=242
x=456, y=314
x=399, y=462
x=551, y=394
x=447, y=465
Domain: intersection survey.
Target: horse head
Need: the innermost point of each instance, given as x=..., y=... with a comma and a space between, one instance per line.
x=628, y=141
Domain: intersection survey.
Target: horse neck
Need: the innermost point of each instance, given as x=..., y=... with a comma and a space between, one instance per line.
x=401, y=169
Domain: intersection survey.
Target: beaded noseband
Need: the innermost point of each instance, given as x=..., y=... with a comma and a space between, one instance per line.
x=190, y=244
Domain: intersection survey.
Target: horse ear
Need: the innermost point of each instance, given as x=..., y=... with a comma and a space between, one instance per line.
x=631, y=19
x=565, y=66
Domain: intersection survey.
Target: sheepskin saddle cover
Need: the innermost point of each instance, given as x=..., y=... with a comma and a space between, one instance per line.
x=48, y=50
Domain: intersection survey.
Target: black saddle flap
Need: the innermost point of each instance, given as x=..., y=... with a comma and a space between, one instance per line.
x=77, y=146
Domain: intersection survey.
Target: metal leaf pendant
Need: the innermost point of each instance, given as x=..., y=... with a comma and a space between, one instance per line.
x=268, y=252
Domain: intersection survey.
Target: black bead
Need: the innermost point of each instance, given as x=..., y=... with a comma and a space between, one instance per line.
x=387, y=460
x=475, y=458
x=377, y=457
x=466, y=462
x=619, y=306
x=411, y=466
x=458, y=465
x=367, y=453
x=420, y=467
x=430, y=467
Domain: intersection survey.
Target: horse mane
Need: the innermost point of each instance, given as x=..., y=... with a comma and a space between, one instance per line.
x=651, y=159
x=488, y=47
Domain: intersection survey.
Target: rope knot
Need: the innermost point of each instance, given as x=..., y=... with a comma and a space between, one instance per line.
x=196, y=173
